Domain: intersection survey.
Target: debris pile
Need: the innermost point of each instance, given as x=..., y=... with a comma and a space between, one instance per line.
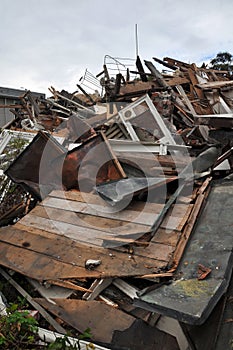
x=120, y=194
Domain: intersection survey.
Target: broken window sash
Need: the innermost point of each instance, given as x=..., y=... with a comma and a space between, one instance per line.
x=143, y=114
x=144, y=147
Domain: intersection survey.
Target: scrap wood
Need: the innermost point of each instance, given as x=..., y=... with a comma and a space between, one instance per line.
x=96, y=288
x=214, y=84
x=62, y=258
x=107, y=301
x=11, y=106
x=108, y=325
x=68, y=284
x=102, y=319
x=189, y=222
x=164, y=63
x=33, y=302
x=37, y=240
x=202, y=195
x=57, y=94
x=203, y=272
x=156, y=74
x=141, y=69
x=176, y=63
x=169, y=273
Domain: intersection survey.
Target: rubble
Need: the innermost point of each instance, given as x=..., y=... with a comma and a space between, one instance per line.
x=119, y=214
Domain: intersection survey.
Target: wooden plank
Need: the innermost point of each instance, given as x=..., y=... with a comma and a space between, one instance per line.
x=77, y=233
x=109, y=325
x=102, y=211
x=136, y=252
x=40, y=266
x=203, y=193
x=194, y=81
x=10, y=106
x=102, y=319
x=89, y=221
x=215, y=84
x=96, y=288
x=42, y=255
x=95, y=238
x=126, y=227
x=134, y=205
x=157, y=251
x=177, y=81
x=177, y=217
x=166, y=236
x=90, y=198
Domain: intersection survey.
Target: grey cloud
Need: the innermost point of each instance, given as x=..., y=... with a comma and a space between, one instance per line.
x=45, y=42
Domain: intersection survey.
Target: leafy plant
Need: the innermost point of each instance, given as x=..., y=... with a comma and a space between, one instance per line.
x=64, y=343
x=17, y=329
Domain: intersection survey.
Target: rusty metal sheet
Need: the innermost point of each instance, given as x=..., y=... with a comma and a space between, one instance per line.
x=91, y=163
x=45, y=165
x=190, y=299
x=33, y=167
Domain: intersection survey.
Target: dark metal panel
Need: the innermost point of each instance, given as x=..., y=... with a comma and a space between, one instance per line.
x=189, y=299
x=34, y=167
x=121, y=190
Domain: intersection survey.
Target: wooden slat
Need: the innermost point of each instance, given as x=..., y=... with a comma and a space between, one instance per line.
x=42, y=255
x=162, y=252
x=89, y=237
x=175, y=219
x=166, y=236
x=202, y=194
x=89, y=221
x=90, y=198
x=136, y=205
x=117, y=249
x=99, y=210
x=78, y=233
x=39, y=266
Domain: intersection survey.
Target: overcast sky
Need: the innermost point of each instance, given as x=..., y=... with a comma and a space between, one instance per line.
x=52, y=42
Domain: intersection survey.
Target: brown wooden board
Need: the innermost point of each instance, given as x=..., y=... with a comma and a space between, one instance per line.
x=59, y=235
x=42, y=255
x=99, y=210
x=109, y=325
x=90, y=221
